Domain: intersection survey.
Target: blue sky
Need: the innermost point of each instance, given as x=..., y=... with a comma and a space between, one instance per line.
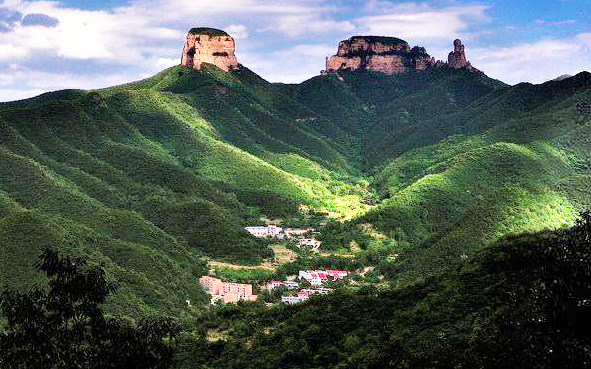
x=51, y=45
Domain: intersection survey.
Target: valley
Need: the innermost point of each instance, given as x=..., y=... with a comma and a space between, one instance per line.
x=393, y=211
x=151, y=177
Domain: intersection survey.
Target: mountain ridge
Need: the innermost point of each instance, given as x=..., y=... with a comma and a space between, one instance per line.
x=153, y=177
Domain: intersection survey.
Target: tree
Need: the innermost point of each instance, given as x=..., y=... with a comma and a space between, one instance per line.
x=544, y=302
x=65, y=327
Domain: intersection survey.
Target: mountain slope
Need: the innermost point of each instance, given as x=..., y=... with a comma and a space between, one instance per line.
x=152, y=177
x=525, y=173
x=154, y=174
x=496, y=309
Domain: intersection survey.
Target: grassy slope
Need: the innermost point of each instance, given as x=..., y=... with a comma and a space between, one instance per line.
x=528, y=172
x=457, y=319
x=142, y=177
x=148, y=176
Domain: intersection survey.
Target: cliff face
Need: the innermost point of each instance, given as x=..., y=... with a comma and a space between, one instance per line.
x=388, y=55
x=209, y=45
x=457, y=58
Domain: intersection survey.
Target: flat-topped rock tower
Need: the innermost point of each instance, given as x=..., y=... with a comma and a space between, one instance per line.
x=209, y=45
x=388, y=55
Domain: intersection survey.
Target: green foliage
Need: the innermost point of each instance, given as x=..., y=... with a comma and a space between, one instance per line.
x=65, y=327
x=208, y=31
x=521, y=303
x=152, y=176
x=256, y=275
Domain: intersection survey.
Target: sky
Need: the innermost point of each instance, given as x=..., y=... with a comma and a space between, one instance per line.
x=52, y=45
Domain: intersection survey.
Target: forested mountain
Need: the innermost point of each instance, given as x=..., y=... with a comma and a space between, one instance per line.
x=149, y=177
x=521, y=303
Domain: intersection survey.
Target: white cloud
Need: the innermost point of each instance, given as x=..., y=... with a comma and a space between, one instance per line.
x=163, y=63
x=283, y=40
x=290, y=65
x=534, y=62
x=420, y=22
x=13, y=94
x=238, y=31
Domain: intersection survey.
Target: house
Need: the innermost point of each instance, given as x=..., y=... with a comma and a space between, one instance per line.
x=322, y=275
x=303, y=295
x=311, y=242
x=291, y=232
x=337, y=274
x=311, y=277
x=265, y=231
x=290, y=300
x=291, y=284
x=322, y=291
x=229, y=292
x=314, y=277
x=274, y=284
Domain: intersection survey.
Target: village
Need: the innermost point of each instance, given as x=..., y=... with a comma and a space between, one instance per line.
x=295, y=289
x=231, y=292
x=271, y=231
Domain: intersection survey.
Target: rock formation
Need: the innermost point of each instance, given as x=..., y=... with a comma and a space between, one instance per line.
x=209, y=45
x=389, y=55
x=457, y=58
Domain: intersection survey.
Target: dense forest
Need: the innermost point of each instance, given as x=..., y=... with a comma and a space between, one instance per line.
x=521, y=303
x=152, y=177
x=458, y=204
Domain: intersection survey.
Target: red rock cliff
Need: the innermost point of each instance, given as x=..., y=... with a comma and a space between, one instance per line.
x=209, y=45
x=388, y=55
x=457, y=58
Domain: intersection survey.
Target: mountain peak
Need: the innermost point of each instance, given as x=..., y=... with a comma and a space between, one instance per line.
x=388, y=55
x=209, y=45
x=457, y=58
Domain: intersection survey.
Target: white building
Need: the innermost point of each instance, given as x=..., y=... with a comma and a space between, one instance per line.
x=265, y=231
x=314, y=277
x=321, y=291
x=274, y=284
x=291, y=284
x=290, y=300
x=290, y=232
x=311, y=242
x=337, y=273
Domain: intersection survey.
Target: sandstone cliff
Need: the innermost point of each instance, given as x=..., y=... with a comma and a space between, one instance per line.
x=388, y=55
x=457, y=58
x=209, y=45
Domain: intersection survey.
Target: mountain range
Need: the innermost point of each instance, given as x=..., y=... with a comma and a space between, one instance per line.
x=148, y=178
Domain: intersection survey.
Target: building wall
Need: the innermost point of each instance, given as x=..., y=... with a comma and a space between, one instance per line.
x=231, y=292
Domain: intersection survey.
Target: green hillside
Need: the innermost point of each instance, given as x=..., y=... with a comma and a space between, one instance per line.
x=148, y=178
x=519, y=304
x=525, y=173
x=153, y=177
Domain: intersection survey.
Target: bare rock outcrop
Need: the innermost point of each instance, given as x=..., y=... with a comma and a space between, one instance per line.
x=209, y=45
x=388, y=55
x=457, y=58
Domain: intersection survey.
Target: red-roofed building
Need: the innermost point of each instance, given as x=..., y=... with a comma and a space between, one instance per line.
x=274, y=284
x=337, y=274
x=303, y=293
